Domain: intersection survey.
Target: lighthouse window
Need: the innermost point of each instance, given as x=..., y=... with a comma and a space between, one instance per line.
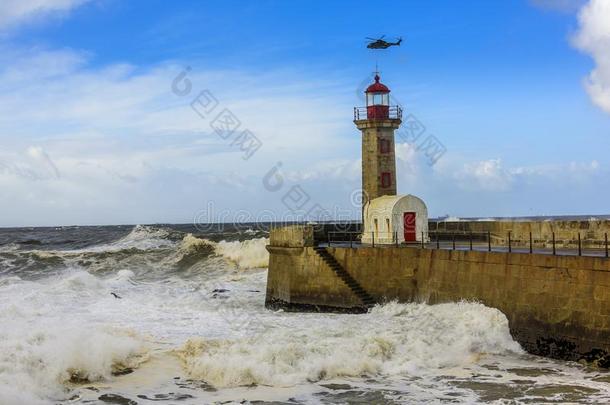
x=377, y=99
x=384, y=146
x=386, y=179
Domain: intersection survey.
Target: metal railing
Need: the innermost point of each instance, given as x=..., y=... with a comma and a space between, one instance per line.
x=574, y=245
x=361, y=113
x=369, y=238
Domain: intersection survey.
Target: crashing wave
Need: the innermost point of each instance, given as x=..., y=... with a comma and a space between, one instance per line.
x=44, y=359
x=393, y=339
x=155, y=249
x=247, y=254
x=141, y=237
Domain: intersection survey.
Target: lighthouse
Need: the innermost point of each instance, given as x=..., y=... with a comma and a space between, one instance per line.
x=387, y=218
x=377, y=122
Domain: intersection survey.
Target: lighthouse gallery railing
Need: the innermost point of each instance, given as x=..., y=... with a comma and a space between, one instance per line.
x=361, y=113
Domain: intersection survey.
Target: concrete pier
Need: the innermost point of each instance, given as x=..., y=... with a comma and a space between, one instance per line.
x=557, y=306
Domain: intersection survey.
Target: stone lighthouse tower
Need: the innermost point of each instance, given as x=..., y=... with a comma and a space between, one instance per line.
x=377, y=121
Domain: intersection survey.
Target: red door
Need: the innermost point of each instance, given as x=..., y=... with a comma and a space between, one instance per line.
x=409, y=227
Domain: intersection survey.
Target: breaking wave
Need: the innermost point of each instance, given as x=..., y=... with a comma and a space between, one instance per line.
x=46, y=343
x=393, y=339
x=148, y=247
x=141, y=237
x=248, y=254
x=154, y=314
x=64, y=326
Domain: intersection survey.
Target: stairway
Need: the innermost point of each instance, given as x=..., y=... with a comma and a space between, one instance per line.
x=367, y=300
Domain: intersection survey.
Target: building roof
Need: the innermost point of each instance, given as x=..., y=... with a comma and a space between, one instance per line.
x=388, y=202
x=377, y=87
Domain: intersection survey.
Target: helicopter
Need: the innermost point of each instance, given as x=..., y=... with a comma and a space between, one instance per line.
x=379, y=43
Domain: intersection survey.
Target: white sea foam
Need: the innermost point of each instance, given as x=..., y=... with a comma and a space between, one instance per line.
x=46, y=341
x=11, y=247
x=36, y=363
x=248, y=254
x=141, y=237
x=190, y=243
x=66, y=325
x=391, y=340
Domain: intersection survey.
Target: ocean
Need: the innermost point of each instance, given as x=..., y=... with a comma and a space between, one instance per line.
x=175, y=314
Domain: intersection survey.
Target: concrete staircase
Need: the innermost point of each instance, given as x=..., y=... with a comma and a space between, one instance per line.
x=367, y=300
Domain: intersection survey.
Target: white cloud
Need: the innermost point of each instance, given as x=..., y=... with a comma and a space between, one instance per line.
x=408, y=162
x=13, y=12
x=485, y=175
x=112, y=144
x=123, y=146
x=492, y=175
x=593, y=37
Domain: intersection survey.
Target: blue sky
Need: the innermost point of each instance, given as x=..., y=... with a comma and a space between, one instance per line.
x=517, y=91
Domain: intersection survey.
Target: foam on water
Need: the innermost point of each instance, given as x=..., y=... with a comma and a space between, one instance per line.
x=46, y=340
x=191, y=314
x=11, y=247
x=391, y=340
x=141, y=238
x=247, y=254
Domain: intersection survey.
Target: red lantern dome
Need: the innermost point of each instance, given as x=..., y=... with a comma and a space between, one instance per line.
x=377, y=101
x=377, y=87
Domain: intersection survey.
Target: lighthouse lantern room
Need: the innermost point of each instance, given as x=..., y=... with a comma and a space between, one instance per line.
x=377, y=100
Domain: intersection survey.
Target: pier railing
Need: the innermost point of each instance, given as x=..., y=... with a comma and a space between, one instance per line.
x=576, y=244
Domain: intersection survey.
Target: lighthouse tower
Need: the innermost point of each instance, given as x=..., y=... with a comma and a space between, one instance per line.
x=377, y=121
x=387, y=218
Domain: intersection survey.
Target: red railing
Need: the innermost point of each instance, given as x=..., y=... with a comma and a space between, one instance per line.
x=370, y=113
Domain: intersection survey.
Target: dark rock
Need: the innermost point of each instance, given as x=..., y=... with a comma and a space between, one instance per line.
x=167, y=397
x=116, y=399
x=123, y=371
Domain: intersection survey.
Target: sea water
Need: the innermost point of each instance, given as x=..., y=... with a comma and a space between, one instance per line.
x=175, y=314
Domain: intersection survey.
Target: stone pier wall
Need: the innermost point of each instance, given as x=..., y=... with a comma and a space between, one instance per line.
x=557, y=306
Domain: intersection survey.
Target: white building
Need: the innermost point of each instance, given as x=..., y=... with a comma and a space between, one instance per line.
x=394, y=219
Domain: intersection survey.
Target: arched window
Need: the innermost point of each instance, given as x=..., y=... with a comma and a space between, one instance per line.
x=384, y=146
x=386, y=179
